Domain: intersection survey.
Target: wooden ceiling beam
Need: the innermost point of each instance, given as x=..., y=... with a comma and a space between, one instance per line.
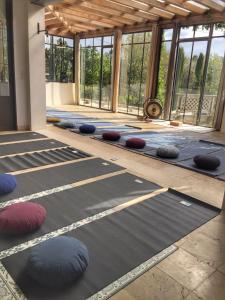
x=192, y=6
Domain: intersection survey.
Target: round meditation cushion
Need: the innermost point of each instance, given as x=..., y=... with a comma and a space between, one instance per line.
x=53, y=120
x=207, y=162
x=21, y=218
x=135, y=143
x=86, y=128
x=111, y=136
x=58, y=261
x=65, y=124
x=168, y=152
x=7, y=183
x=176, y=123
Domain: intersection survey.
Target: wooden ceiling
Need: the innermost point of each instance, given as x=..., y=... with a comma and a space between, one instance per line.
x=70, y=17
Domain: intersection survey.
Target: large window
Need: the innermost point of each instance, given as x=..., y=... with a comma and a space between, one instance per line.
x=4, y=67
x=59, y=55
x=96, y=71
x=133, y=74
x=165, y=50
x=200, y=57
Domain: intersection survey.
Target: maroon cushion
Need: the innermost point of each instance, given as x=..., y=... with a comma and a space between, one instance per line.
x=21, y=218
x=135, y=143
x=111, y=136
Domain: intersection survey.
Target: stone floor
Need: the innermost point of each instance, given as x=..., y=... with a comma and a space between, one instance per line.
x=196, y=271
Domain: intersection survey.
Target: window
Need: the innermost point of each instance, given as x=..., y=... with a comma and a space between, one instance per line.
x=59, y=56
x=165, y=50
x=4, y=66
x=133, y=72
x=96, y=71
x=200, y=56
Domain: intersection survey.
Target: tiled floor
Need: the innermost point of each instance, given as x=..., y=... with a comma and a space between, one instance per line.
x=196, y=271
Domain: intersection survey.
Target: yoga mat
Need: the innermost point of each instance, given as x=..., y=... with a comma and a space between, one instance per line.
x=189, y=164
x=38, y=159
x=69, y=206
x=16, y=137
x=53, y=177
x=23, y=147
x=187, y=151
x=118, y=243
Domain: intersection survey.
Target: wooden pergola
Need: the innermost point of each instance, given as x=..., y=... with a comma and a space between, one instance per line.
x=91, y=18
x=71, y=17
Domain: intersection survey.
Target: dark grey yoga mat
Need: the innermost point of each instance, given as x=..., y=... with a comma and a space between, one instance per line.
x=189, y=164
x=23, y=147
x=67, y=207
x=16, y=137
x=37, y=159
x=187, y=151
x=53, y=177
x=119, y=243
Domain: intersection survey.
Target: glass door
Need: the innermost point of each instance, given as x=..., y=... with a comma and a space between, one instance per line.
x=7, y=104
x=200, y=54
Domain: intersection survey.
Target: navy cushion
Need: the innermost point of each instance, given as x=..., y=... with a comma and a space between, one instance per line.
x=135, y=143
x=65, y=124
x=7, y=183
x=111, y=136
x=58, y=261
x=86, y=128
x=168, y=152
x=207, y=162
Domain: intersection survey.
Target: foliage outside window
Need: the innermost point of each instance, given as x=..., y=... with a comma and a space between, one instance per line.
x=59, y=57
x=165, y=50
x=96, y=71
x=199, y=64
x=133, y=74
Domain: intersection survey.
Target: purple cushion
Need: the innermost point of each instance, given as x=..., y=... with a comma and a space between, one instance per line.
x=7, y=183
x=111, y=136
x=86, y=128
x=21, y=218
x=135, y=143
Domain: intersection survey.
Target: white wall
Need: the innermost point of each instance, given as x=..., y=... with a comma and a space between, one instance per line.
x=60, y=93
x=29, y=61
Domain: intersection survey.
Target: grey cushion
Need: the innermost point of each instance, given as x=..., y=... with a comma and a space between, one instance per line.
x=168, y=152
x=58, y=261
x=207, y=162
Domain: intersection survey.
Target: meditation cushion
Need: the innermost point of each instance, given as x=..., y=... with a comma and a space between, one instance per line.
x=111, y=136
x=135, y=143
x=65, y=124
x=21, y=218
x=53, y=120
x=86, y=128
x=7, y=183
x=207, y=162
x=168, y=152
x=58, y=261
x=176, y=123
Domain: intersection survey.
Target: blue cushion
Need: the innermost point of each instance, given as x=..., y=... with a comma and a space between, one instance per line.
x=168, y=152
x=86, y=128
x=58, y=261
x=7, y=183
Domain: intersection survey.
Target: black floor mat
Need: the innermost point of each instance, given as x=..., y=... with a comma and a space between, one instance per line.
x=67, y=207
x=16, y=137
x=37, y=159
x=118, y=243
x=23, y=147
x=38, y=181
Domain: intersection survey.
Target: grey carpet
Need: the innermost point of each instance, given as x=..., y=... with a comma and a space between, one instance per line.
x=23, y=147
x=38, y=181
x=38, y=159
x=67, y=207
x=15, y=137
x=118, y=243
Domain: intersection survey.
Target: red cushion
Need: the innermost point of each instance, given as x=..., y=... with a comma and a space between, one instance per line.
x=111, y=136
x=21, y=218
x=135, y=143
